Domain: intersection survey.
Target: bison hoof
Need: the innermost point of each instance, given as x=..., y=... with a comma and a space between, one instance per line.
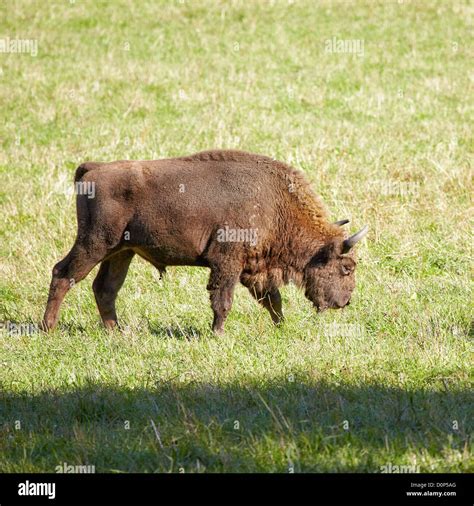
x=110, y=324
x=45, y=326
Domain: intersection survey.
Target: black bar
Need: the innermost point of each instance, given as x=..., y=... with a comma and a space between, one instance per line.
x=239, y=489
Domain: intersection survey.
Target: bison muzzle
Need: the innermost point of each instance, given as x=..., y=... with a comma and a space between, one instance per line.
x=246, y=217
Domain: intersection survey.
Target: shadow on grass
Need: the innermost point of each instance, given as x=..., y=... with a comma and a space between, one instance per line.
x=175, y=331
x=256, y=427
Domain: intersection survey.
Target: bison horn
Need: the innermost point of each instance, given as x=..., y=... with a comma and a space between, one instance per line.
x=341, y=222
x=353, y=239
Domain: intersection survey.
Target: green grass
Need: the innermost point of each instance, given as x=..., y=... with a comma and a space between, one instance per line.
x=386, y=380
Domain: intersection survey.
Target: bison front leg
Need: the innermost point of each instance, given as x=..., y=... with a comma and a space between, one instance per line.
x=106, y=285
x=271, y=301
x=221, y=287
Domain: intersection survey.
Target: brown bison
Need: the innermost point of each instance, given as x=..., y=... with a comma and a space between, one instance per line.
x=247, y=217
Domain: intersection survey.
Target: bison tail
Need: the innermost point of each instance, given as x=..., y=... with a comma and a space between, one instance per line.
x=82, y=169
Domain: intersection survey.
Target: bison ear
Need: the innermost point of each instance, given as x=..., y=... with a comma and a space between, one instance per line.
x=322, y=256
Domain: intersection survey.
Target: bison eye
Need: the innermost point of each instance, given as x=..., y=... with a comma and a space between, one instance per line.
x=346, y=270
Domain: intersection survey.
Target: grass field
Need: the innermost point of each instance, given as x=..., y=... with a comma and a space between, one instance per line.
x=373, y=101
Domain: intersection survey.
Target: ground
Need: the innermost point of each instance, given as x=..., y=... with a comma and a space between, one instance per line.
x=372, y=101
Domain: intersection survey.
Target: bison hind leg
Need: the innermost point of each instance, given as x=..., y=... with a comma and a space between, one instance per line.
x=106, y=285
x=221, y=286
x=161, y=270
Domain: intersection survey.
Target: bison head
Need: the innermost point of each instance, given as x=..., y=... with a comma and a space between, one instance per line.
x=329, y=276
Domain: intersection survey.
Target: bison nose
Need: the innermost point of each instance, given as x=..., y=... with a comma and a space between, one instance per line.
x=348, y=302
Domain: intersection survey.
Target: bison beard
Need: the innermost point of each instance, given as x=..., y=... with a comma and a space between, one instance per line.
x=173, y=212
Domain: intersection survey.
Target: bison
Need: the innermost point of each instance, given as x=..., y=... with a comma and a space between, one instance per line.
x=246, y=217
